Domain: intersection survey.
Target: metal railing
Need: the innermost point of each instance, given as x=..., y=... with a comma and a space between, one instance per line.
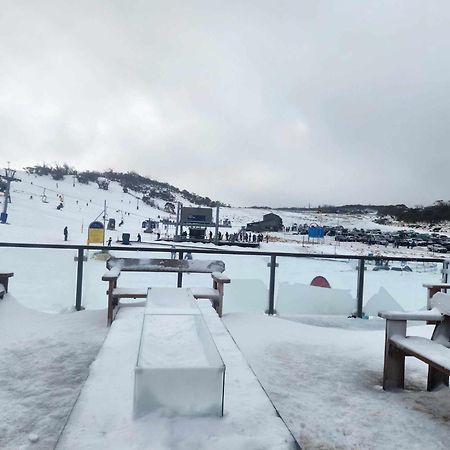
x=220, y=251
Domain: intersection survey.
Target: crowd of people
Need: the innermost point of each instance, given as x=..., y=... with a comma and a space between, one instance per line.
x=242, y=236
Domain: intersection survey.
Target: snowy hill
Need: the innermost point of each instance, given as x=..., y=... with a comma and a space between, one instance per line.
x=35, y=216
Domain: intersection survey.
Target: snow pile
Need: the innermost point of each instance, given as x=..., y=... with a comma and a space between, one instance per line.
x=44, y=360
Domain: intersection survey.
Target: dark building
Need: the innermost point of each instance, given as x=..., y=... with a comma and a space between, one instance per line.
x=270, y=222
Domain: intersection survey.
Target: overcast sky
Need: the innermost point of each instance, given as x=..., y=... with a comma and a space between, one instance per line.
x=250, y=102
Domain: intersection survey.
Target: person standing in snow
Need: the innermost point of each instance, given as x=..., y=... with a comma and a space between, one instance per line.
x=66, y=233
x=139, y=237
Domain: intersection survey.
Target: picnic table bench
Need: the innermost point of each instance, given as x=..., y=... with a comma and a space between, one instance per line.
x=116, y=266
x=435, y=351
x=4, y=280
x=434, y=288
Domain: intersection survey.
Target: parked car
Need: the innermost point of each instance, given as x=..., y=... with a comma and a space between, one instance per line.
x=437, y=248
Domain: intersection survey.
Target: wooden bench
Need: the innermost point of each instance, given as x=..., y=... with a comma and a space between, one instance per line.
x=116, y=266
x=434, y=288
x=435, y=351
x=4, y=280
x=443, y=286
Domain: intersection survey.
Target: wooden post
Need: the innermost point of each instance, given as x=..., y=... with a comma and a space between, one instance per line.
x=111, y=285
x=220, y=301
x=436, y=378
x=431, y=290
x=4, y=279
x=394, y=360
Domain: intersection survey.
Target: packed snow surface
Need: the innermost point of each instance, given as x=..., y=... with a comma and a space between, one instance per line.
x=325, y=380
x=171, y=341
x=44, y=360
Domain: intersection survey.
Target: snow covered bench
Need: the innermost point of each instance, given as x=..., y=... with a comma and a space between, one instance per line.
x=434, y=288
x=179, y=369
x=435, y=351
x=117, y=265
x=4, y=280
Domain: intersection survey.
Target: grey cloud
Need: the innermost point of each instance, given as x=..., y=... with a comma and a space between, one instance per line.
x=251, y=102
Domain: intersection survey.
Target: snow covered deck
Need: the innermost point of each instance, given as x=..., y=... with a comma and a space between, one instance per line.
x=324, y=376
x=103, y=414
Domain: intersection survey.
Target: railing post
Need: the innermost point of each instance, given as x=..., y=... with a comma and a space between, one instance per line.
x=80, y=260
x=273, y=265
x=180, y=274
x=360, y=289
x=445, y=266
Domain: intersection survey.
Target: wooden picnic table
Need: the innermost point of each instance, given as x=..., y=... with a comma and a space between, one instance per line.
x=434, y=288
x=117, y=265
x=435, y=351
x=4, y=280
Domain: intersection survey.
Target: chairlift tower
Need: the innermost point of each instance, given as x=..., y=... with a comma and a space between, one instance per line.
x=9, y=177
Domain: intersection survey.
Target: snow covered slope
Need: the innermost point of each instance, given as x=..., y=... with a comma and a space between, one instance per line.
x=34, y=217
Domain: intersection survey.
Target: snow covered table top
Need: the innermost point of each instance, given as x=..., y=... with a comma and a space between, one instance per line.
x=171, y=341
x=179, y=370
x=437, y=285
x=165, y=265
x=432, y=315
x=166, y=300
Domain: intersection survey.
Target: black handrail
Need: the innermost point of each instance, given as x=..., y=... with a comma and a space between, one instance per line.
x=219, y=251
x=273, y=255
